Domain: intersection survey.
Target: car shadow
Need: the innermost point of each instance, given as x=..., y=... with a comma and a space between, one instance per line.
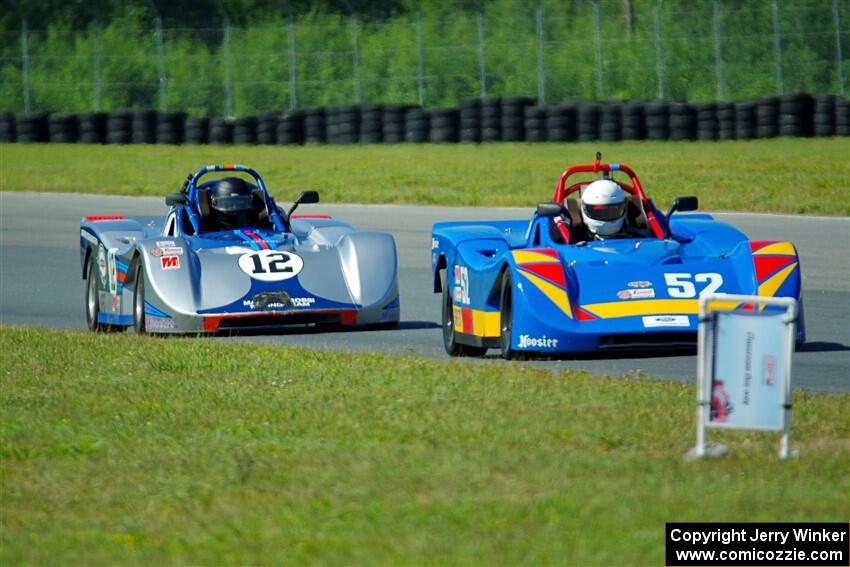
x=314, y=329
x=609, y=354
x=821, y=346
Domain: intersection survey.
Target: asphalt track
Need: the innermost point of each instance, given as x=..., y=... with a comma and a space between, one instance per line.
x=40, y=281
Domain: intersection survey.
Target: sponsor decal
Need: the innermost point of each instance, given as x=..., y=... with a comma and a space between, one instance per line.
x=271, y=265
x=534, y=342
x=116, y=302
x=639, y=284
x=161, y=243
x=277, y=300
x=434, y=243
x=159, y=323
x=167, y=251
x=666, y=321
x=101, y=262
x=769, y=369
x=645, y=293
x=112, y=269
x=457, y=294
x=170, y=262
x=462, y=279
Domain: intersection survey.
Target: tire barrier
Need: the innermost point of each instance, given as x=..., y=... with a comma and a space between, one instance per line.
x=634, y=121
x=119, y=127
x=315, y=126
x=196, y=130
x=7, y=127
x=475, y=120
x=416, y=125
x=144, y=127
x=63, y=128
x=290, y=128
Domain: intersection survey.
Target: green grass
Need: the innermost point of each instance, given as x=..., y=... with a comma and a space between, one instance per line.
x=133, y=450
x=783, y=175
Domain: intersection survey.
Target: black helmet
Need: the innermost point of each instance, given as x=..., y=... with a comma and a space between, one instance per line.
x=232, y=203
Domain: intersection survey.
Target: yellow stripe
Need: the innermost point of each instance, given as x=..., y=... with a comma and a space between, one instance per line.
x=643, y=307
x=555, y=294
x=457, y=316
x=722, y=305
x=526, y=257
x=785, y=248
x=485, y=323
x=768, y=288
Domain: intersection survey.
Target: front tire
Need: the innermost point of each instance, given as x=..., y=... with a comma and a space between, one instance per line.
x=92, y=298
x=506, y=318
x=453, y=348
x=139, y=300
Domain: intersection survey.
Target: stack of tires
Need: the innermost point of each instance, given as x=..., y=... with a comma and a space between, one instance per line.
x=707, y=123
x=7, y=127
x=587, y=123
x=315, y=126
x=444, y=125
x=824, y=115
x=119, y=127
x=144, y=126
x=343, y=124
x=611, y=121
x=169, y=127
x=767, y=117
x=392, y=123
x=683, y=121
x=92, y=128
x=290, y=128
x=796, y=115
x=491, y=119
x=63, y=128
x=657, y=120
x=416, y=125
x=745, y=120
x=245, y=130
x=842, y=117
x=221, y=131
x=371, y=125
x=725, y=121
x=513, y=118
x=196, y=130
x=634, y=121
x=267, y=124
x=535, y=123
x=561, y=122
x=470, y=120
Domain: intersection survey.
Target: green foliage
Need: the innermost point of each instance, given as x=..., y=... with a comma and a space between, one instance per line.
x=62, y=70
x=781, y=175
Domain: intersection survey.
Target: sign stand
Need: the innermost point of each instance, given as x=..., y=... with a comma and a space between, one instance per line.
x=744, y=367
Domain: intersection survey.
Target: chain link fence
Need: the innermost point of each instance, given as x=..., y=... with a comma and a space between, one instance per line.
x=552, y=50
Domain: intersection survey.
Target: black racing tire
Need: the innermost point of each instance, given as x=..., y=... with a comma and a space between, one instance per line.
x=506, y=319
x=139, y=299
x=453, y=348
x=92, y=300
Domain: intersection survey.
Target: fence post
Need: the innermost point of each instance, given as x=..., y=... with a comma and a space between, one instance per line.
x=290, y=31
x=420, y=69
x=25, y=63
x=598, y=40
x=838, y=47
x=659, y=55
x=479, y=21
x=777, y=48
x=160, y=64
x=541, y=72
x=355, y=57
x=228, y=86
x=98, y=103
x=718, y=59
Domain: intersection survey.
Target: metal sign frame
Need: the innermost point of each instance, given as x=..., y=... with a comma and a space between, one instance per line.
x=706, y=361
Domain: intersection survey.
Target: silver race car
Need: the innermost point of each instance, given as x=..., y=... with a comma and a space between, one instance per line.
x=226, y=257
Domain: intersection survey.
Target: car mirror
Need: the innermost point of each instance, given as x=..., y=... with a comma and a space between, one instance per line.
x=308, y=197
x=548, y=209
x=175, y=199
x=683, y=204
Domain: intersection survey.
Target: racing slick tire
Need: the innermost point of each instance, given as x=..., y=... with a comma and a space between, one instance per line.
x=453, y=348
x=93, y=303
x=139, y=300
x=506, y=319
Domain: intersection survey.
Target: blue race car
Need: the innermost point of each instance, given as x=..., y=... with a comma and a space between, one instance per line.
x=550, y=286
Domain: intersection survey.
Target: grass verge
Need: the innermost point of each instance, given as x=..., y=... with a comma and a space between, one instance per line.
x=780, y=175
x=125, y=449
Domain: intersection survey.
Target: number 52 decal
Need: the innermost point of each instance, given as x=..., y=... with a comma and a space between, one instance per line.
x=682, y=285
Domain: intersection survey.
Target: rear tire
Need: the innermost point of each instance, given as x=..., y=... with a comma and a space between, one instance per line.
x=506, y=319
x=453, y=348
x=93, y=303
x=139, y=300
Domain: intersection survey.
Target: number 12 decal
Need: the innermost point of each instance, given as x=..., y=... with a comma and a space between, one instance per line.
x=271, y=265
x=680, y=285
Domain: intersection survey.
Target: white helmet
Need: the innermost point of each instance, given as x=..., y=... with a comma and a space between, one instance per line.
x=603, y=207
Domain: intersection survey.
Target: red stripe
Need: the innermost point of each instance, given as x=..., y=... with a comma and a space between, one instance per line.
x=95, y=218
x=547, y=251
x=550, y=272
x=121, y=276
x=767, y=265
x=211, y=323
x=310, y=217
x=756, y=244
x=256, y=238
x=467, y=320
